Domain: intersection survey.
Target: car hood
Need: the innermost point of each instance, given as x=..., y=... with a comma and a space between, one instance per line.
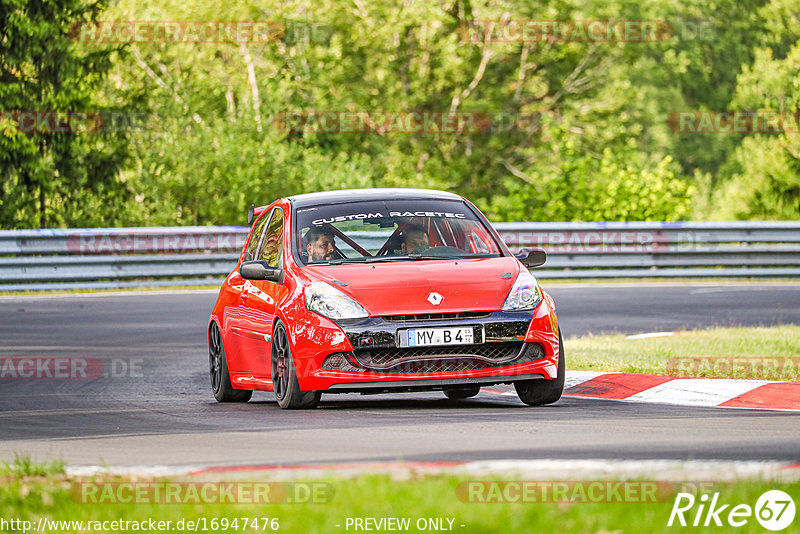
x=403, y=287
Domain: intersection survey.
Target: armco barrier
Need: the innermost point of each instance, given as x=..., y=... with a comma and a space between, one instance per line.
x=199, y=255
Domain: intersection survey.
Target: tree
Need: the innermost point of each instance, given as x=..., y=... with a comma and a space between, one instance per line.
x=55, y=169
x=215, y=148
x=764, y=171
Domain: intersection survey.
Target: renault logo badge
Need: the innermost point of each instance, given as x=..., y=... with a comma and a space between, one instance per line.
x=435, y=298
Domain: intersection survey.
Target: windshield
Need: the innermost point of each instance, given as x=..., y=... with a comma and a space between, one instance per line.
x=391, y=230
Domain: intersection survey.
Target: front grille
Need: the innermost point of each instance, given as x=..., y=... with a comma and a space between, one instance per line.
x=436, y=316
x=387, y=357
x=436, y=366
x=446, y=359
x=435, y=359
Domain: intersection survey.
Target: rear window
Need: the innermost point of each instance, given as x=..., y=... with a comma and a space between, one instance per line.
x=392, y=230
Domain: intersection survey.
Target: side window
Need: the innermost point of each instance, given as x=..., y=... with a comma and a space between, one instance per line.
x=255, y=237
x=271, y=247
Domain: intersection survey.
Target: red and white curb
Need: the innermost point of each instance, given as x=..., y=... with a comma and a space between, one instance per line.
x=712, y=392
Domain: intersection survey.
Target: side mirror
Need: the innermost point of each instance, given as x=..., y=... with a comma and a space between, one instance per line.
x=259, y=270
x=532, y=258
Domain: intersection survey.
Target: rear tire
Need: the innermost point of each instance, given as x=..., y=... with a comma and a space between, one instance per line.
x=284, y=378
x=218, y=368
x=544, y=391
x=461, y=393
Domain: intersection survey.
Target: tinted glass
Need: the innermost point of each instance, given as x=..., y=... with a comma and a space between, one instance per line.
x=391, y=230
x=271, y=245
x=255, y=237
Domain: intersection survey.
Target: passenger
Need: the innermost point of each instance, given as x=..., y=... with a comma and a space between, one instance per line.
x=414, y=237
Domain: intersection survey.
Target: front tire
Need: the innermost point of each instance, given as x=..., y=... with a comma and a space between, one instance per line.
x=284, y=378
x=544, y=391
x=218, y=367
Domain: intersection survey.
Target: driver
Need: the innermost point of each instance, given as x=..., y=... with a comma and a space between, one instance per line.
x=414, y=237
x=320, y=244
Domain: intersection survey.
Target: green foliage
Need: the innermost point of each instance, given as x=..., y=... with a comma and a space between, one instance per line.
x=207, y=169
x=782, y=21
x=572, y=186
x=578, y=130
x=765, y=168
x=48, y=178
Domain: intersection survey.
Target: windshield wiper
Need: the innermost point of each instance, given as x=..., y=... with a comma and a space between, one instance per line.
x=376, y=259
x=380, y=259
x=405, y=257
x=412, y=256
x=339, y=261
x=465, y=256
x=437, y=256
x=367, y=259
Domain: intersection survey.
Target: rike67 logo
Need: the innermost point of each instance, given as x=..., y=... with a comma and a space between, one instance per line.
x=774, y=510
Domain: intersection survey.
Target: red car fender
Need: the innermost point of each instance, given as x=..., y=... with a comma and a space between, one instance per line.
x=311, y=336
x=544, y=330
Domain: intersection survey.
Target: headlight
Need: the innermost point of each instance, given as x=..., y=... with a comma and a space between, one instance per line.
x=524, y=295
x=330, y=302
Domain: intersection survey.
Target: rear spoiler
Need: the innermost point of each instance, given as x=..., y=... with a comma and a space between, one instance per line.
x=254, y=212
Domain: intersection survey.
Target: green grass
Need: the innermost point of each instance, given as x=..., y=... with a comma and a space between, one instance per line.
x=24, y=466
x=763, y=353
x=376, y=496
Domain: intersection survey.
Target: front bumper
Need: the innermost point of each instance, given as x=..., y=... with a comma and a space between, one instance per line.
x=517, y=346
x=390, y=386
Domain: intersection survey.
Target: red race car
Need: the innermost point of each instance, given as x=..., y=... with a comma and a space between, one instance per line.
x=376, y=291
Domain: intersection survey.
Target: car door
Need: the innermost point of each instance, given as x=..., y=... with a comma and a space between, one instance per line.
x=261, y=301
x=237, y=314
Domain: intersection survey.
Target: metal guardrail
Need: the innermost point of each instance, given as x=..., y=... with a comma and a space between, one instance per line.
x=201, y=255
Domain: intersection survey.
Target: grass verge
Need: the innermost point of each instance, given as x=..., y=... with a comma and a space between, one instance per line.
x=24, y=466
x=762, y=353
x=444, y=500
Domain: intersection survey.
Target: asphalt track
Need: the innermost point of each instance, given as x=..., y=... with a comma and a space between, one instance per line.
x=160, y=411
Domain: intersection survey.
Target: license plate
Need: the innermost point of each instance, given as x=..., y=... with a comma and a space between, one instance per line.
x=426, y=337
